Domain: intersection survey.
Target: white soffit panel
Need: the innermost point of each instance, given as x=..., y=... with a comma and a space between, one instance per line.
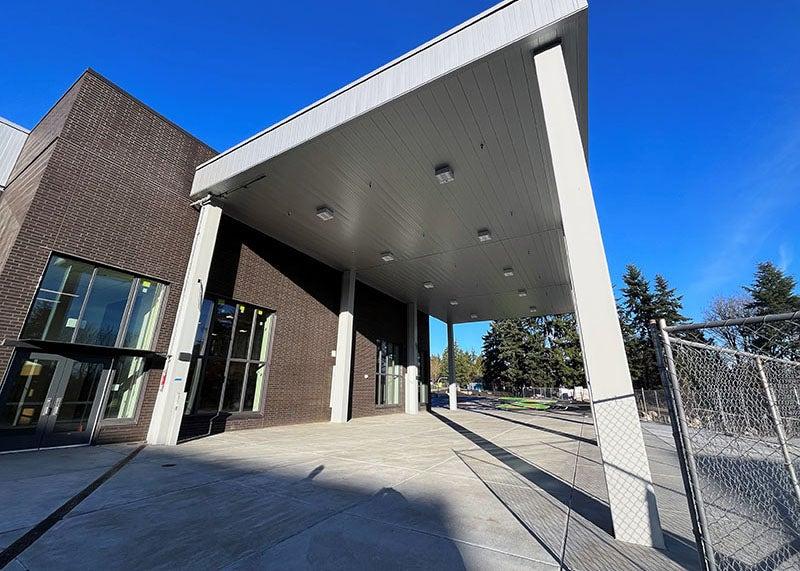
x=502, y=25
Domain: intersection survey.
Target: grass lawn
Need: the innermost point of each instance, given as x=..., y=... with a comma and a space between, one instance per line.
x=518, y=403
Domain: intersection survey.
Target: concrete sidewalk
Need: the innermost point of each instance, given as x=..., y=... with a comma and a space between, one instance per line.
x=470, y=489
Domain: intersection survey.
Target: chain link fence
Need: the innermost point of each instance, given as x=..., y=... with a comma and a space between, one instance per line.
x=733, y=392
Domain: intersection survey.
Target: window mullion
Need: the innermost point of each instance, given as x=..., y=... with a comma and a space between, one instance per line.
x=228, y=357
x=83, y=306
x=126, y=315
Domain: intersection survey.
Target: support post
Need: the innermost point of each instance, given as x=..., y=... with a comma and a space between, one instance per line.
x=412, y=369
x=168, y=410
x=452, y=389
x=619, y=435
x=340, y=385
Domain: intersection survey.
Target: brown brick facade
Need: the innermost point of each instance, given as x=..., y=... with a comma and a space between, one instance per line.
x=104, y=178
x=109, y=183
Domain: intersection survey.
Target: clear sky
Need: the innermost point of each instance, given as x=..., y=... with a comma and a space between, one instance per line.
x=694, y=107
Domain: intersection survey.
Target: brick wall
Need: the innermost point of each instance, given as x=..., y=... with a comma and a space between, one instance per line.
x=111, y=185
x=252, y=268
x=376, y=317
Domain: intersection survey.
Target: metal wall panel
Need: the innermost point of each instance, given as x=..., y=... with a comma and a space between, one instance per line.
x=12, y=137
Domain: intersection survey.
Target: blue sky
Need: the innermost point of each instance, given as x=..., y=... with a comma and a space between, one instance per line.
x=694, y=107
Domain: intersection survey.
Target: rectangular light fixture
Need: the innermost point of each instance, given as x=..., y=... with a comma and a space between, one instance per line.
x=325, y=213
x=508, y=272
x=473, y=316
x=453, y=302
x=428, y=285
x=387, y=256
x=532, y=308
x=444, y=174
x=522, y=292
x=484, y=235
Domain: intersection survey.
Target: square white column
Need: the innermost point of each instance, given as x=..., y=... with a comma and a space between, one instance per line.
x=168, y=410
x=616, y=419
x=452, y=389
x=340, y=384
x=412, y=357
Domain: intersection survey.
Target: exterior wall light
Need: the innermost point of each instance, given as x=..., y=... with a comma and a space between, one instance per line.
x=473, y=316
x=522, y=292
x=428, y=285
x=532, y=308
x=444, y=174
x=484, y=235
x=325, y=213
x=453, y=302
x=508, y=272
x=387, y=256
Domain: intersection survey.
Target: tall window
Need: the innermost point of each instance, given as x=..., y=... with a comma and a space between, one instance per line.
x=78, y=302
x=389, y=373
x=125, y=388
x=228, y=369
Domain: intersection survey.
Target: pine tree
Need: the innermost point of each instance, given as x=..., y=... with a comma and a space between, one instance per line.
x=667, y=304
x=772, y=291
x=637, y=301
x=504, y=355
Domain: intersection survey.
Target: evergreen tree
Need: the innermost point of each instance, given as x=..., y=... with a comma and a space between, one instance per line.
x=637, y=308
x=667, y=304
x=505, y=355
x=772, y=291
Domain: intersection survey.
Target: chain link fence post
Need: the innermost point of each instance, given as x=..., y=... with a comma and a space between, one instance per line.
x=775, y=415
x=666, y=366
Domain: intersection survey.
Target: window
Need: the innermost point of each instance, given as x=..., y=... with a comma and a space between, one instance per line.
x=390, y=373
x=78, y=302
x=228, y=368
x=125, y=388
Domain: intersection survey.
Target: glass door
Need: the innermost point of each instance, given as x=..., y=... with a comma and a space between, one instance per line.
x=75, y=403
x=26, y=399
x=50, y=400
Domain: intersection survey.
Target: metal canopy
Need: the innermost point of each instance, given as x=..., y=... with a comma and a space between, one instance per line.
x=468, y=99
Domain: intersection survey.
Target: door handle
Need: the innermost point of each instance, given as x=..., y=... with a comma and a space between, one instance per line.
x=46, y=407
x=58, y=405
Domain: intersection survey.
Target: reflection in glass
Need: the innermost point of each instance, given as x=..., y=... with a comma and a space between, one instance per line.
x=74, y=409
x=144, y=315
x=389, y=373
x=241, y=337
x=56, y=308
x=254, y=388
x=124, y=391
x=221, y=328
x=25, y=393
x=233, y=387
x=261, y=335
x=236, y=335
x=105, y=307
x=210, y=388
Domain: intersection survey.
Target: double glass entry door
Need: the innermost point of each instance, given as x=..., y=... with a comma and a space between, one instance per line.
x=51, y=400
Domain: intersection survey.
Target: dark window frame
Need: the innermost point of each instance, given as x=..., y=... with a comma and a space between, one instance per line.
x=125, y=319
x=396, y=349
x=201, y=359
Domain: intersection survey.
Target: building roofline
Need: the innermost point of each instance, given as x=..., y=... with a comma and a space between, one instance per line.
x=8, y=123
x=408, y=55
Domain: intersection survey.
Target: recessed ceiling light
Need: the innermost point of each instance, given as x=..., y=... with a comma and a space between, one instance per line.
x=484, y=235
x=387, y=256
x=428, y=285
x=453, y=302
x=522, y=292
x=324, y=213
x=444, y=174
x=473, y=316
x=508, y=272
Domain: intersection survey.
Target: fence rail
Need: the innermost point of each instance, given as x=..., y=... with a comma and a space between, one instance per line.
x=733, y=394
